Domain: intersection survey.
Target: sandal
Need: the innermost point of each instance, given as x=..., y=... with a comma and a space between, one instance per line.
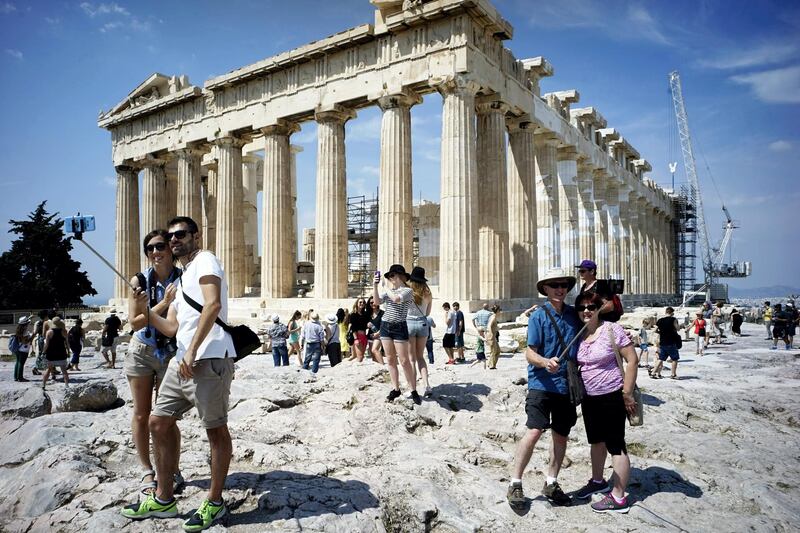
x=148, y=487
x=674, y=377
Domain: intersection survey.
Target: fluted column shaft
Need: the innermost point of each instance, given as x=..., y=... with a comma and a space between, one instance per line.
x=153, y=199
x=127, y=255
x=624, y=237
x=189, y=203
x=170, y=197
x=252, y=174
x=644, y=249
x=652, y=253
x=601, y=224
x=567, y=170
x=523, y=255
x=612, y=211
x=586, y=223
x=277, y=263
x=548, y=237
x=230, y=224
x=295, y=149
x=494, y=268
x=330, y=265
x=458, y=242
x=210, y=215
x=395, y=236
x=633, y=236
x=662, y=237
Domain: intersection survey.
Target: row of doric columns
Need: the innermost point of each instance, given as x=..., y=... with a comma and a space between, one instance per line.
x=515, y=202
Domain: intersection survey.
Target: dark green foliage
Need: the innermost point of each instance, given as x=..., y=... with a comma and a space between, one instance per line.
x=38, y=272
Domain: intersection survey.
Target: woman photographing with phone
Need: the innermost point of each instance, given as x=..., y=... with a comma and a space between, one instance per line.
x=149, y=352
x=394, y=328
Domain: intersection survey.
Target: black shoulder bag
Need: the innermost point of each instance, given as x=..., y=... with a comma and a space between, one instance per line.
x=245, y=340
x=574, y=380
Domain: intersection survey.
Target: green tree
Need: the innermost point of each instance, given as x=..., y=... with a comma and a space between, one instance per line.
x=38, y=271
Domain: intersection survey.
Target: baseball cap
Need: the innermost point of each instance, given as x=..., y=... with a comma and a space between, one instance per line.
x=588, y=263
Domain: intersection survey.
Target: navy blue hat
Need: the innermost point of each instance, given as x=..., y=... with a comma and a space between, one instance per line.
x=588, y=264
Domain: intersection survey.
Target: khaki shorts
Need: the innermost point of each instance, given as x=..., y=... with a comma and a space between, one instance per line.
x=141, y=361
x=209, y=391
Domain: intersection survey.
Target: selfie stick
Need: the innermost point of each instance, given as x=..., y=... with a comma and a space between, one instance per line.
x=79, y=237
x=576, y=337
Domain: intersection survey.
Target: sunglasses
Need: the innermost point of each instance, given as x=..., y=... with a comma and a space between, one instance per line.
x=180, y=234
x=160, y=246
x=582, y=271
x=561, y=285
x=590, y=307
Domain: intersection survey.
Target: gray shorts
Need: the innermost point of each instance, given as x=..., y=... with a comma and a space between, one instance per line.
x=417, y=327
x=61, y=363
x=141, y=361
x=209, y=391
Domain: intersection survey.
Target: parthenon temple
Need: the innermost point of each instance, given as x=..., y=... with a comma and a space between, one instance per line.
x=528, y=181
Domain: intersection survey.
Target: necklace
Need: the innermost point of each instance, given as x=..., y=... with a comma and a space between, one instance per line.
x=191, y=258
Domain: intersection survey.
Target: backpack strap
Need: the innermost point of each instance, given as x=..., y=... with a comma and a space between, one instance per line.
x=199, y=308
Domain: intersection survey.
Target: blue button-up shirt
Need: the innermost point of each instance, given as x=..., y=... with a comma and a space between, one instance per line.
x=542, y=338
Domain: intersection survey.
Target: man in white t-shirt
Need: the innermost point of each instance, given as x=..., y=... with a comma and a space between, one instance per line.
x=198, y=376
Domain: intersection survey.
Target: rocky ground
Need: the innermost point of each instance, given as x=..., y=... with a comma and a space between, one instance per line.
x=718, y=451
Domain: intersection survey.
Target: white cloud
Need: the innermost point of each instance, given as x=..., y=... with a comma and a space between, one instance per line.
x=753, y=56
x=777, y=86
x=16, y=54
x=110, y=181
x=780, y=146
x=7, y=7
x=365, y=130
x=52, y=20
x=370, y=170
x=109, y=26
x=643, y=24
x=104, y=9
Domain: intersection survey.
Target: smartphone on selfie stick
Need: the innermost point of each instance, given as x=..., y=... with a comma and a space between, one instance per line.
x=78, y=225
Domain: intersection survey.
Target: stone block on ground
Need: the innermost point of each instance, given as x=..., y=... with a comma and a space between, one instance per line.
x=24, y=401
x=90, y=396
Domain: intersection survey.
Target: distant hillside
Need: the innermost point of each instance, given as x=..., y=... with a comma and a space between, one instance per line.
x=775, y=291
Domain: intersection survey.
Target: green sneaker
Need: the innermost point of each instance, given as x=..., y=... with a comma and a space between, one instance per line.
x=150, y=507
x=205, y=516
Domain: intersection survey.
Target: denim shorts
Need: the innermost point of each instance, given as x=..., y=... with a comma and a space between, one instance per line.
x=459, y=341
x=669, y=351
x=395, y=331
x=417, y=327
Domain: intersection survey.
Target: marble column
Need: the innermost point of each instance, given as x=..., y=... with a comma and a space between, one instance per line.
x=189, y=197
x=523, y=255
x=230, y=224
x=395, y=236
x=644, y=249
x=277, y=263
x=547, y=213
x=493, y=268
x=612, y=211
x=633, y=236
x=599, y=183
x=671, y=283
x=567, y=171
x=295, y=149
x=458, y=244
x=652, y=255
x=153, y=205
x=586, y=219
x=127, y=250
x=624, y=237
x=170, y=195
x=330, y=265
x=252, y=174
x=210, y=215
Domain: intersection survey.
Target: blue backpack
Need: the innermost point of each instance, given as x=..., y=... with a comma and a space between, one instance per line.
x=13, y=344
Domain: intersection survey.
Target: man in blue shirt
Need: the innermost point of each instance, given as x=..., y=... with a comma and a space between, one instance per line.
x=547, y=404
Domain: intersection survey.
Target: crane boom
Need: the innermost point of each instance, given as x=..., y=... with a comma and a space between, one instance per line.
x=691, y=171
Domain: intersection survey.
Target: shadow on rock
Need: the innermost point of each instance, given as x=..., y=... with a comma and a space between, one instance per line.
x=289, y=495
x=460, y=396
x=655, y=480
x=649, y=399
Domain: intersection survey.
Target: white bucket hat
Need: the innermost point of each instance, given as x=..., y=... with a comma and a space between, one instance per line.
x=554, y=274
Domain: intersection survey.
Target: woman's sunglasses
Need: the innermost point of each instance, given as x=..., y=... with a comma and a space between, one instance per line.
x=590, y=307
x=160, y=246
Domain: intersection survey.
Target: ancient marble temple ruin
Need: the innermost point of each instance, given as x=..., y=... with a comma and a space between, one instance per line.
x=529, y=181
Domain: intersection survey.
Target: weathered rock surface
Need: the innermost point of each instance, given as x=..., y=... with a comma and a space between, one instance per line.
x=327, y=453
x=90, y=396
x=23, y=401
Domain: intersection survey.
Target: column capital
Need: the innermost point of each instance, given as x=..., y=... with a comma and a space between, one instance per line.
x=545, y=139
x=491, y=103
x=334, y=113
x=151, y=161
x=457, y=84
x=567, y=153
x=404, y=98
x=228, y=139
x=187, y=152
x=125, y=169
x=521, y=123
x=295, y=148
x=281, y=127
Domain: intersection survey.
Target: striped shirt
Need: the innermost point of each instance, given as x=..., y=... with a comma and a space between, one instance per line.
x=397, y=312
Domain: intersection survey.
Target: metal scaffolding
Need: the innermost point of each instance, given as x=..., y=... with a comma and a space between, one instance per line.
x=362, y=238
x=686, y=241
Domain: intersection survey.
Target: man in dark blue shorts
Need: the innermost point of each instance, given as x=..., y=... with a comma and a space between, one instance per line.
x=548, y=404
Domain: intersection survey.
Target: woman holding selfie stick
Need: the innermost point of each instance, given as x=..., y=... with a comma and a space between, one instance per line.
x=394, y=329
x=149, y=352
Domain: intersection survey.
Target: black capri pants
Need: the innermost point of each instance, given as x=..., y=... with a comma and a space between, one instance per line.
x=604, y=417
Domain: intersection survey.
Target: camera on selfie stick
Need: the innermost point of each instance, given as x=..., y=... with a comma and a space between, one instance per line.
x=78, y=225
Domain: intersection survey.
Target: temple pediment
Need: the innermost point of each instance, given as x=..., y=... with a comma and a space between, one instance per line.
x=156, y=87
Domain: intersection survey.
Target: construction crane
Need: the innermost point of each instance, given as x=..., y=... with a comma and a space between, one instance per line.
x=712, y=257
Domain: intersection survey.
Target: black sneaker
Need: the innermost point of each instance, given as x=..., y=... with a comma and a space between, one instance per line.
x=415, y=397
x=393, y=395
x=515, y=496
x=592, y=487
x=555, y=495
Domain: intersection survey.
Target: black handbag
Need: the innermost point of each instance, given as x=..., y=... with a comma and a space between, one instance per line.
x=577, y=391
x=245, y=340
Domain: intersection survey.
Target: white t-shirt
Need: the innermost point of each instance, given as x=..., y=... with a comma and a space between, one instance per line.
x=217, y=344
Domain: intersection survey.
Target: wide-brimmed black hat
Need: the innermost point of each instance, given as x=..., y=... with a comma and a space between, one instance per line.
x=397, y=269
x=418, y=275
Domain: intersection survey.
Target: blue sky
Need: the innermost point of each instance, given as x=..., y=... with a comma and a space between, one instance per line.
x=61, y=62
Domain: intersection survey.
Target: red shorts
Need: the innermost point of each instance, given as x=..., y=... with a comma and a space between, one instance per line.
x=361, y=339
